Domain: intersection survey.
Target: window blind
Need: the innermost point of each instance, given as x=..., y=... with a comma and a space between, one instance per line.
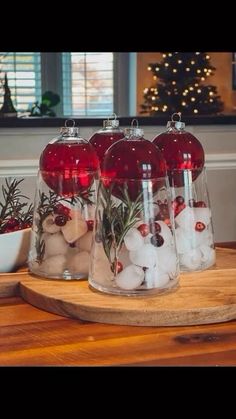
x=24, y=77
x=87, y=83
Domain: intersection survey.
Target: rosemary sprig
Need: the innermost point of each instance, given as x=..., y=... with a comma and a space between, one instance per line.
x=116, y=221
x=45, y=207
x=84, y=197
x=12, y=208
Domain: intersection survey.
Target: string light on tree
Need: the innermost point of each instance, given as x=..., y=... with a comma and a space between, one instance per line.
x=178, y=85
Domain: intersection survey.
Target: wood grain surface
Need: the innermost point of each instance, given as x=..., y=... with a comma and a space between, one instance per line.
x=202, y=297
x=32, y=337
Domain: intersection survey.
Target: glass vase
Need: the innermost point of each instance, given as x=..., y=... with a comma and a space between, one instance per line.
x=133, y=250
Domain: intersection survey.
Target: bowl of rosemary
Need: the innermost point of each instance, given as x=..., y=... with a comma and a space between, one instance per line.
x=16, y=215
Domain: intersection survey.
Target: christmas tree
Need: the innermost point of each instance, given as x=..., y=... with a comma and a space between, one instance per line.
x=179, y=86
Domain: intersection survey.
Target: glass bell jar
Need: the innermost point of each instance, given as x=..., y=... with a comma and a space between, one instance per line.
x=64, y=207
x=185, y=160
x=105, y=137
x=133, y=251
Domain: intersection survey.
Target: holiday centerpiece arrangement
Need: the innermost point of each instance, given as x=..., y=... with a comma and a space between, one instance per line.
x=64, y=207
x=124, y=218
x=133, y=250
x=185, y=158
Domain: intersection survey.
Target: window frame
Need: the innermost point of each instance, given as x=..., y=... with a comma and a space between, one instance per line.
x=15, y=65
x=124, y=81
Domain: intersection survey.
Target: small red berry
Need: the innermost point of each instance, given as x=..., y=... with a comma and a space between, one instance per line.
x=200, y=204
x=200, y=226
x=7, y=230
x=179, y=199
x=61, y=210
x=155, y=227
x=157, y=240
x=61, y=220
x=179, y=208
x=90, y=224
x=164, y=210
x=117, y=267
x=144, y=229
x=12, y=223
x=26, y=225
x=160, y=217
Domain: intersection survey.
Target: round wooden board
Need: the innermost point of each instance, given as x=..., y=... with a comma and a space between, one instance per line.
x=203, y=297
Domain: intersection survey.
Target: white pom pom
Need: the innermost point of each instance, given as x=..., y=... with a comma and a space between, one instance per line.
x=52, y=266
x=154, y=278
x=74, y=229
x=186, y=219
x=145, y=256
x=77, y=214
x=191, y=260
x=124, y=256
x=167, y=261
x=130, y=278
x=55, y=244
x=85, y=242
x=133, y=239
x=100, y=267
x=203, y=215
x=199, y=237
x=183, y=240
x=147, y=239
x=208, y=255
x=79, y=263
x=49, y=226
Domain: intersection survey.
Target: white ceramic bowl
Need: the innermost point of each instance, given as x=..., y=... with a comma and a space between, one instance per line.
x=14, y=248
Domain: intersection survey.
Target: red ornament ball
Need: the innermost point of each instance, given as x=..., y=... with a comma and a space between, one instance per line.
x=68, y=168
x=102, y=141
x=181, y=151
x=129, y=162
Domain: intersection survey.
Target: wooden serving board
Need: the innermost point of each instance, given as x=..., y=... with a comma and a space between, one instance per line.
x=203, y=297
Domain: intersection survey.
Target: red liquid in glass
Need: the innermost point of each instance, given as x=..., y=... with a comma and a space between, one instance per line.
x=102, y=141
x=68, y=168
x=181, y=150
x=130, y=160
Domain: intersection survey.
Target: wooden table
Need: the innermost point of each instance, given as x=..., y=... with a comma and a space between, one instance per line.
x=29, y=336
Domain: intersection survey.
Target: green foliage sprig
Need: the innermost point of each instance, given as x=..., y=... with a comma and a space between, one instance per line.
x=117, y=220
x=14, y=213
